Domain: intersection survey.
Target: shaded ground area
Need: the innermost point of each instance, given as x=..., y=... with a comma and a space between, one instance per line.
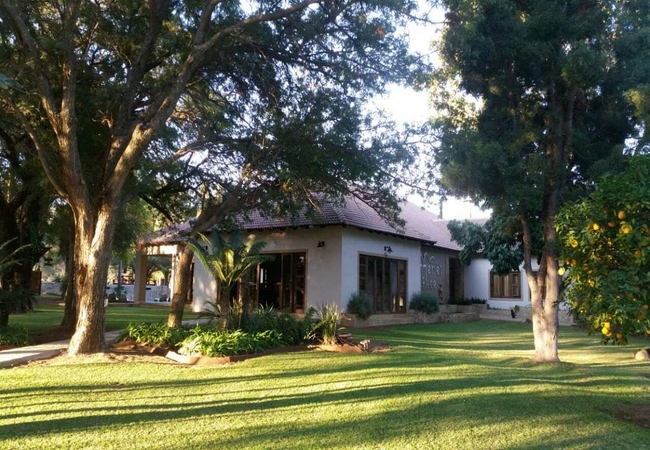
x=43, y=322
x=446, y=386
x=638, y=414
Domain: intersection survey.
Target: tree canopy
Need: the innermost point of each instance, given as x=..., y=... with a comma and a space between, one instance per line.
x=534, y=102
x=263, y=93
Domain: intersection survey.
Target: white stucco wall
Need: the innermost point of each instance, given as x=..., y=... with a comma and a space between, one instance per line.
x=204, y=287
x=477, y=284
x=356, y=242
x=323, y=283
x=332, y=270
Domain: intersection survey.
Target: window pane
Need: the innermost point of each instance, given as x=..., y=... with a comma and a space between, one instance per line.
x=401, y=286
x=384, y=279
x=386, y=286
x=370, y=282
x=393, y=286
x=299, y=295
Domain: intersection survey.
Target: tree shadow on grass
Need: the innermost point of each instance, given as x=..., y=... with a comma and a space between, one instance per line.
x=416, y=393
x=375, y=373
x=428, y=416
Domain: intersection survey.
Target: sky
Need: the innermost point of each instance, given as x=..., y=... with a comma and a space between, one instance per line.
x=405, y=105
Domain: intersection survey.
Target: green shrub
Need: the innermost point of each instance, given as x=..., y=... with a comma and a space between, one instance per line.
x=153, y=334
x=213, y=342
x=464, y=301
x=426, y=302
x=293, y=331
x=328, y=323
x=308, y=325
x=360, y=304
x=15, y=335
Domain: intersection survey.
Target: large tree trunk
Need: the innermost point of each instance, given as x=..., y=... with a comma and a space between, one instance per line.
x=546, y=337
x=69, y=298
x=544, y=311
x=182, y=279
x=92, y=254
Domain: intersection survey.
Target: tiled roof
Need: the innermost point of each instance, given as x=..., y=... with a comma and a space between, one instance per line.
x=353, y=212
x=420, y=224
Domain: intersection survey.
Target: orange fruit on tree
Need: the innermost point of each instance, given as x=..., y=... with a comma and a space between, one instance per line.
x=574, y=243
x=561, y=271
x=644, y=307
x=625, y=229
x=611, y=224
x=621, y=215
x=596, y=227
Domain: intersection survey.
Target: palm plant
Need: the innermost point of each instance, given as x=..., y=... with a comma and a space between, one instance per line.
x=228, y=259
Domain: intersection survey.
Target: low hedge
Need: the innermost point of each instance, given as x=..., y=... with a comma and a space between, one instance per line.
x=15, y=335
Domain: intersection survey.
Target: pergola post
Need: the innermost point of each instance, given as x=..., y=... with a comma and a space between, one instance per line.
x=140, y=294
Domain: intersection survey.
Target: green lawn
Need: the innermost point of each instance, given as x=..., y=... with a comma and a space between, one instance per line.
x=468, y=386
x=48, y=315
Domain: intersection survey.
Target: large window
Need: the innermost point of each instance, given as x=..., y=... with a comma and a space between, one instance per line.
x=282, y=282
x=505, y=286
x=384, y=280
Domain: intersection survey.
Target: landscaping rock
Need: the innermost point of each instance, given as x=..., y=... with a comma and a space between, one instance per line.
x=642, y=355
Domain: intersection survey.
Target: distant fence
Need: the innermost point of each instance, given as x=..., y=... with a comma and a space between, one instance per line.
x=153, y=293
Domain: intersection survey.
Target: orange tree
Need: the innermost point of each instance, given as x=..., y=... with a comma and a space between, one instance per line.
x=606, y=253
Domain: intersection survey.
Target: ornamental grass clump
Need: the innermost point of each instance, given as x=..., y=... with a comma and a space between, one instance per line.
x=328, y=324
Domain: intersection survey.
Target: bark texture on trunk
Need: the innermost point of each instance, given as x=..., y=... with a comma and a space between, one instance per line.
x=92, y=254
x=544, y=311
x=69, y=298
x=182, y=279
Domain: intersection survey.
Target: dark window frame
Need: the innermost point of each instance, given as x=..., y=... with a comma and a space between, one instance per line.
x=388, y=287
x=498, y=285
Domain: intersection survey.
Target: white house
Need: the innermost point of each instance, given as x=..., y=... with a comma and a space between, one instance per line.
x=341, y=250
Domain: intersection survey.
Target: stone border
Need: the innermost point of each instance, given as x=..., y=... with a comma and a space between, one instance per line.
x=449, y=315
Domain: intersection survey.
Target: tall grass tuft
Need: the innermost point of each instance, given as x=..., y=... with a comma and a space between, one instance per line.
x=328, y=324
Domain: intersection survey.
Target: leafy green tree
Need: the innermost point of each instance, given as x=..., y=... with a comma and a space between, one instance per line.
x=497, y=240
x=25, y=197
x=228, y=258
x=606, y=253
x=98, y=85
x=532, y=105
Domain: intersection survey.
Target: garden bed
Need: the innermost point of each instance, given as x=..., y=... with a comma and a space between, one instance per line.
x=129, y=346
x=346, y=344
